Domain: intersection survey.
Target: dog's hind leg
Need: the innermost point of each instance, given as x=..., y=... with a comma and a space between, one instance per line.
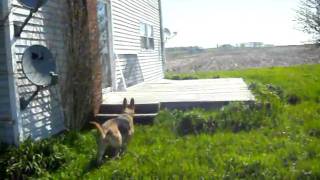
x=101, y=150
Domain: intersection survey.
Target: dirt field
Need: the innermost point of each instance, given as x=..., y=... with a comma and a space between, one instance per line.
x=241, y=58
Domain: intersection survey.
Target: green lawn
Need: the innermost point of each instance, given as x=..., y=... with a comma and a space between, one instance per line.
x=278, y=137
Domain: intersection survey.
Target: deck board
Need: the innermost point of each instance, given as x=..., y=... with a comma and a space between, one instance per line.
x=191, y=91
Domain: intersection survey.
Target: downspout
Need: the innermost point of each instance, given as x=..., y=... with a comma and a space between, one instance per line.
x=163, y=50
x=112, y=55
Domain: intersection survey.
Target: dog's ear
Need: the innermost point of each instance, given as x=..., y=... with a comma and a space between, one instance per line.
x=125, y=102
x=132, y=103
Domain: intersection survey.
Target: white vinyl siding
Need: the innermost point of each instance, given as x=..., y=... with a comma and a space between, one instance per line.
x=127, y=16
x=43, y=117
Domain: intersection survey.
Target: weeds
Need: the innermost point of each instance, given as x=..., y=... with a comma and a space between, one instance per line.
x=183, y=77
x=277, y=90
x=30, y=159
x=293, y=99
x=240, y=117
x=194, y=122
x=235, y=117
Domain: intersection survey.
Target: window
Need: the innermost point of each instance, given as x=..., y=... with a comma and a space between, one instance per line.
x=147, y=36
x=102, y=22
x=102, y=25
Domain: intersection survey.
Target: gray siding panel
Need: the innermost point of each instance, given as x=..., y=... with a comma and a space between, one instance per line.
x=6, y=129
x=43, y=117
x=6, y=132
x=126, y=18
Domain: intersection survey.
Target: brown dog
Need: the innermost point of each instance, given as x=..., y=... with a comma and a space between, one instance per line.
x=116, y=133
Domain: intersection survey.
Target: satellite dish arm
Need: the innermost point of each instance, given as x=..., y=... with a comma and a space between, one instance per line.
x=19, y=28
x=24, y=103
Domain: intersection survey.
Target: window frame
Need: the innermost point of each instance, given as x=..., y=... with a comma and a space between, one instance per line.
x=103, y=27
x=146, y=36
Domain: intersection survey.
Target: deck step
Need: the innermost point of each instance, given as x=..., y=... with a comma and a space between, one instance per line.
x=138, y=118
x=139, y=108
x=192, y=105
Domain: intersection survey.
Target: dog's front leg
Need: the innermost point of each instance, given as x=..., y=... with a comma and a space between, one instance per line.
x=101, y=150
x=117, y=152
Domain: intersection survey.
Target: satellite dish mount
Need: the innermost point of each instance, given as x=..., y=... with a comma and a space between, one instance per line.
x=34, y=6
x=39, y=67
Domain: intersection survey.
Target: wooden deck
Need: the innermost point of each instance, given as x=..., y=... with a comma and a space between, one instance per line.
x=184, y=93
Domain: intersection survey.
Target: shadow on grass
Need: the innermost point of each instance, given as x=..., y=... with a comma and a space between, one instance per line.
x=93, y=165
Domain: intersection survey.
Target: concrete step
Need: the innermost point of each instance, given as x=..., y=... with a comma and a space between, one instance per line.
x=138, y=118
x=139, y=108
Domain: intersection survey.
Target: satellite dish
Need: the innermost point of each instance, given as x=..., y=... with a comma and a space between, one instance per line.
x=33, y=4
x=37, y=64
x=168, y=34
x=39, y=67
x=167, y=31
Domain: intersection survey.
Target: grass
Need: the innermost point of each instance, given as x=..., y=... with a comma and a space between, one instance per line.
x=273, y=138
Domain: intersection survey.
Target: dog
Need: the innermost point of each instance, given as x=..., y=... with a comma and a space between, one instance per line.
x=116, y=133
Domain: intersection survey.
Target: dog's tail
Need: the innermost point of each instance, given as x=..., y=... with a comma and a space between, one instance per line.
x=100, y=129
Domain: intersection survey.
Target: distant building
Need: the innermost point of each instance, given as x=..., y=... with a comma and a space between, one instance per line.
x=252, y=44
x=226, y=46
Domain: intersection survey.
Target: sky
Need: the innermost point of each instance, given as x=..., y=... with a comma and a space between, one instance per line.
x=206, y=23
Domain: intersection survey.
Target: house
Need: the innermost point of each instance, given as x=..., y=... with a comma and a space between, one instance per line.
x=252, y=45
x=132, y=51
